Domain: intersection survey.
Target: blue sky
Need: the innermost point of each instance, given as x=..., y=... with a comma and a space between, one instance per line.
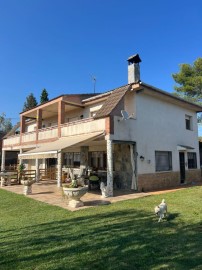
x=58, y=44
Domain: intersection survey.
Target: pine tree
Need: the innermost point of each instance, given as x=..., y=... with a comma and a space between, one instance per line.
x=5, y=124
x=30, y=102
x=44, y=96
x=189, y=80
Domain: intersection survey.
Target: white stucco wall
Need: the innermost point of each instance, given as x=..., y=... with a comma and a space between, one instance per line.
x=30, y=127
x=159, y=126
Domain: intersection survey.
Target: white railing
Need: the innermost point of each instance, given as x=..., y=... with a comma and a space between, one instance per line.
x=84, y=126
x=14, y=140
x=28, y=137
x=73, y=128
x=48, y=133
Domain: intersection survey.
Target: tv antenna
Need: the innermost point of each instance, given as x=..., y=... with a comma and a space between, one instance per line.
x=94, y=82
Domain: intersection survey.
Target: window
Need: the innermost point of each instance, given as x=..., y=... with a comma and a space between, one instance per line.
x=163, y=161
x=188, y=122
x=72, y=159
x=192, y=163
x=98, y=160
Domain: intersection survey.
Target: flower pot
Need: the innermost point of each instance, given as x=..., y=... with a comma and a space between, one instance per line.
x=74, y=195
x=28, y=186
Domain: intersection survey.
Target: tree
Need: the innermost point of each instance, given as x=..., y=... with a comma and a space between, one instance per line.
x=44, y=96
x=189, y=79
x=5, y=124
x=30, y=102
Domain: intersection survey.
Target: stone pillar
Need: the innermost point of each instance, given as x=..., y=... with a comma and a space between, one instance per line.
x=37, y=170
x=84, y=157
x=3, y=158
x=109, y=168
x=20, y=160
x=59, y=180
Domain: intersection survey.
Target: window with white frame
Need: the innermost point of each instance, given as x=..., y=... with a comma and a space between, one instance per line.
x=192, y=161
x=163, y=161
x=188, y=122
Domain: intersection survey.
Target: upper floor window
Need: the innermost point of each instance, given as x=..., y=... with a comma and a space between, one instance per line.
x=163, y=161
x=192, y=162
x=188, y=122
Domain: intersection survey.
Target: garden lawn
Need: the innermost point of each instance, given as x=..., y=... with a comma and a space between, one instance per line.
x=123, y=235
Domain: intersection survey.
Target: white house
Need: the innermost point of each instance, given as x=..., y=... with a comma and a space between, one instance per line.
x=137, y=136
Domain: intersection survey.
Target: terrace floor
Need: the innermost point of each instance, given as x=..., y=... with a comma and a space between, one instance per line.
x=48, y=192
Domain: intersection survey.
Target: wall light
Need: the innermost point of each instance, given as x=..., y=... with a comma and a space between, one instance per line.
x=141, y=158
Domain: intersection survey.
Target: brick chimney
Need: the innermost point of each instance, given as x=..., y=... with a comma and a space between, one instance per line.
x=134, y=69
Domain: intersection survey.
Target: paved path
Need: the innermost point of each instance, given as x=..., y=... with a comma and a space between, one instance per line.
x=48, y=192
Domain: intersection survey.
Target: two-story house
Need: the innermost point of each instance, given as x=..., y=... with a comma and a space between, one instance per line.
x=143, y=137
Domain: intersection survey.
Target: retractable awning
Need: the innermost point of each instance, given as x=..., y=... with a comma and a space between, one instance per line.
x=51, y=149
x=184, y=147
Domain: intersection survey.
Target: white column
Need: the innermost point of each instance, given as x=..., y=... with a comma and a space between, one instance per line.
x=59, y=180
x=3, y=158
x=37, y=169
x=20, y=161
x=109, y=168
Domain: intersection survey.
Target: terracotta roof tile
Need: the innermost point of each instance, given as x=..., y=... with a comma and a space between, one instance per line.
x=112, y=101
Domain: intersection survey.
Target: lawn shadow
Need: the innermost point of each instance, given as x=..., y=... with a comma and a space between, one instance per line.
x=114, y=237
x=96, y=202
x=172, y=216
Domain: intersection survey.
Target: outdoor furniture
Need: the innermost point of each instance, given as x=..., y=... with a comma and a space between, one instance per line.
x=93, y=180
x=6, y=178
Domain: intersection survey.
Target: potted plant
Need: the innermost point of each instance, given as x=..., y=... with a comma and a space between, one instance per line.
x=27, y=182
x=21, y=168
x=74, y=191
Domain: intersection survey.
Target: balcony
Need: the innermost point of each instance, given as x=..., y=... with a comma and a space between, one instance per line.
x=88, y=125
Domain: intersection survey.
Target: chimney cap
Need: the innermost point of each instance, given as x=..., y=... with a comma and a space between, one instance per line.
x=134, y=59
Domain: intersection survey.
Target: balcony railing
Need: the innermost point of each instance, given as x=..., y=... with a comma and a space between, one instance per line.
x=29, y=137
x=11, y=141
x=83, y=126
x=48, y=133
x=88, y=125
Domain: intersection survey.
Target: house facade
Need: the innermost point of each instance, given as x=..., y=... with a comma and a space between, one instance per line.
x=136, y=136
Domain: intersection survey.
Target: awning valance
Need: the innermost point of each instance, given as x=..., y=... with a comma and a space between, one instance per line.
x=51, y=149
x=184, y=147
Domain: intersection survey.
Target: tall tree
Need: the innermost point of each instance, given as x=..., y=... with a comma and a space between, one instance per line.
x=5, y=123
x=44, y=96
x=30, y=102
x=189, y=80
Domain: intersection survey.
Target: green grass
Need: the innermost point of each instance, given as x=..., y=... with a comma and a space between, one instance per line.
x=124, y=235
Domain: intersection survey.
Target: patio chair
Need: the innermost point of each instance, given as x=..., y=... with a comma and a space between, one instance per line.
x=93, y=180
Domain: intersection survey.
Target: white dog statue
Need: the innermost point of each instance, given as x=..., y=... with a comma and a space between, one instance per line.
x=161, y=210
x=103, y=190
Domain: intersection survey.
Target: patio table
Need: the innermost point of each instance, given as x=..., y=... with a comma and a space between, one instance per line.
x=6, y=178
